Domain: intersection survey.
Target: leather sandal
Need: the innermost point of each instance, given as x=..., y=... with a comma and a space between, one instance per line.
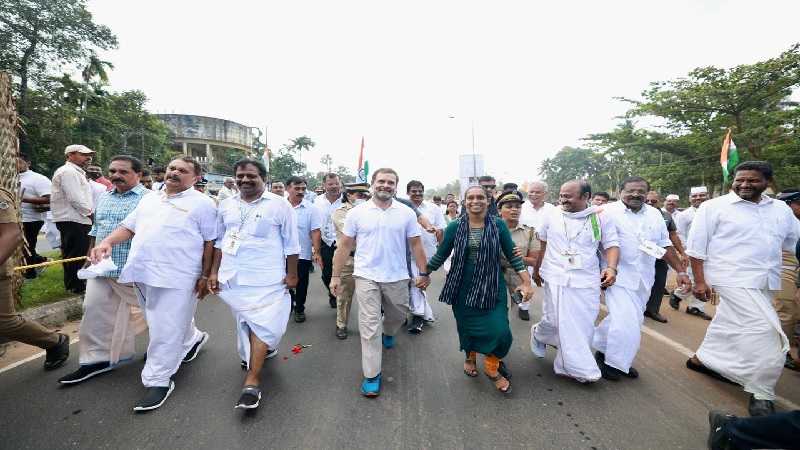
x=473, y=372
x=497, y=378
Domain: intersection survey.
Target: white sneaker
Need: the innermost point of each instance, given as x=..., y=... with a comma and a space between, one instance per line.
x=538, y=348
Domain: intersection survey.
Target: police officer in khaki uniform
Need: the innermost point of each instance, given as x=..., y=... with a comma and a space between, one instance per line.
x=526, y=243
x=13, y=326
x=354, y=194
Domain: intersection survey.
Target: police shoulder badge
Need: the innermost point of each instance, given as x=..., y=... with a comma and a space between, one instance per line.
x=3, y=205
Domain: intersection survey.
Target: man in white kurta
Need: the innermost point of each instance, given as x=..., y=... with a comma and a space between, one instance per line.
x=643, y=238
x=173, y=234
x=421, y=311
x=735, y=248
x=255, y=264
x=569, y=265
x=683, y=223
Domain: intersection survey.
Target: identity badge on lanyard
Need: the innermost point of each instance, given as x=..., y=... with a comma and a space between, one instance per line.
x=571, y=260
x=647, y=246
x=234, y=237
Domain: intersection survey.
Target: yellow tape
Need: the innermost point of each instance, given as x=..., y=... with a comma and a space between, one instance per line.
x=50, y=263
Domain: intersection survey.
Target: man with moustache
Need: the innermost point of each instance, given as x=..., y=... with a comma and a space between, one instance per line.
x=278, y=188
x=158, y=178
x=308, y=232
x=382, y=228
x=327, y=204
x=671, y=205
x=108, y=325
x=600, y=198
x=568, y=264
x=255, y=265
x=643, y=239
x=697, y=195
x=71, y=206
x=735, y=248
x=536, y=207
x=228, y=189
x=418, y=301
x=173, y=234
x=146, y=180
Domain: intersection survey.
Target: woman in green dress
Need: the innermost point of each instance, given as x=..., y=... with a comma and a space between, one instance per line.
x=475, y=286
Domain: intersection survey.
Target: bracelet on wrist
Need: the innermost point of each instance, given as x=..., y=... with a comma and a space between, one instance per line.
x=614, y=268
x=336, y=276
x=203, y=278
x=424, y=274
x=682, y=273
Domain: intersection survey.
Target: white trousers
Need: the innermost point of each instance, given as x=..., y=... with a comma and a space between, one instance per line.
x=568, y=324
x=694, y=303
x=371, y=296
x=418, y=299
x=264, y=310
x=170, y=316
x=620, y=333
x=744, y=341
x=110, y=318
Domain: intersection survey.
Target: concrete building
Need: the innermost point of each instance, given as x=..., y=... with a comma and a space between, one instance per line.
x=207, y=138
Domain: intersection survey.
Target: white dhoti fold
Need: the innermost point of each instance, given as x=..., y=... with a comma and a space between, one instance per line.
x=110, y=317
x=170, y=317
x=418, y=299
x=619, y=335
x=744, y=341
x=264, y=310
x=568, y=324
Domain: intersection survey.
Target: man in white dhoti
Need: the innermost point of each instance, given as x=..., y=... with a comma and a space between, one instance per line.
x=382, y=227
x=569, y=265
x=421, y=311
x=735, y=248
x=697, y=195
x=255, y=265
x=173, y=233
x=643, y=238
x=108, y=326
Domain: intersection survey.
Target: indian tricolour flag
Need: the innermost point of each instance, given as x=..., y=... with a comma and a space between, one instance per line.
x=265, y=158
x=729, y=157
x=363, y=166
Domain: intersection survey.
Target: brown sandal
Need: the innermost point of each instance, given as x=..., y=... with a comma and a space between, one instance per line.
x=496, y=379
x=473, y=371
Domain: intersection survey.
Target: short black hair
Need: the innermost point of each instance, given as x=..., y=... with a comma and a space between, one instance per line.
x=510, y=186
x=159, y=170
x=603, y=194
x=413, y=183
x=190, y=160
x=262, y=169
x=634, y=180
x=136, y=163
x=485, y=178
x=437, y=197
x=145, y=173
x=294, y=179
x=763, y=167
x=328, y=176
x=25, y=157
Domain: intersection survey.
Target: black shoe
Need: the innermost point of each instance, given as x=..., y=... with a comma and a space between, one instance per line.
x=666, y=292
x=341, y=333
x=632, y=373
x=196, y=348
x=85, y=372
x=503, y=370
x=655, y=316
x=760, y=407
x=56, y=355
x=789, y=364
x=332, y=302
x=674, y=301
x=249, y=399
x=696, y=312
x=608, y=372
x=691, y=365
x=155, y=397
x=416, y=325
x=523, y=314
x=717, y=437
x=270, y=353
x=299, y=317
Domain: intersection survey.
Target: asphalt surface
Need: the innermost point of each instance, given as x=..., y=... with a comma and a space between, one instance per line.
x=313, y=400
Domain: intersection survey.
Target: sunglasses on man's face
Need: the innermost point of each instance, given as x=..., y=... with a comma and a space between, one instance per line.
x=651, y=202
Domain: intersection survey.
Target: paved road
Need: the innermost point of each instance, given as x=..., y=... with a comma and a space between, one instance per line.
x=312, y=400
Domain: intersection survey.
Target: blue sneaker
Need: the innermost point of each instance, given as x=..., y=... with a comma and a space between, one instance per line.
x=388, y=341
x=371, y=386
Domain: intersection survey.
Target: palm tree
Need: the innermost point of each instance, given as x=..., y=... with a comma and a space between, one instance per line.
x=302, y=143
x=94, y=68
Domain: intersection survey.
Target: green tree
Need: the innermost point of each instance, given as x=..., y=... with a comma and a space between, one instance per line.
x=453, y=187
x=283, y=165
x=40, y=36
x=300, y=144
x=326, y=161
x=572, y=163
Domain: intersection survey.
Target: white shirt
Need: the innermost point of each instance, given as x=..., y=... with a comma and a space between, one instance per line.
x=674, y=214
x=326, y=209
x=553, y=222
x=225, y=192
x=741, y=241
x=167, y=247
x=434, y=216
x=269, y=227
x=32, y=185
x=532, y=217
x=683, y=223
x=382, y=237
x=308, y=220
x=97, y=190
x=71, y=196
x=636, y=267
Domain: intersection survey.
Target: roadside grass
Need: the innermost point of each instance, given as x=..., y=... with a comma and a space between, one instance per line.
x=46, y=288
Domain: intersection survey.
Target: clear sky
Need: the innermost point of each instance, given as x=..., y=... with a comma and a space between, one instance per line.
x=531, y=76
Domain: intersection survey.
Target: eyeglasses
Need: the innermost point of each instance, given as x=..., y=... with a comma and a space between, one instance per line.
x=489, y=186
x=651, y=202
x=633, y=192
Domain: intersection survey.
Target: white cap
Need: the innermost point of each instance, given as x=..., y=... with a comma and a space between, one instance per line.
x=77, y=148
x=673, y=197
x=699, y=190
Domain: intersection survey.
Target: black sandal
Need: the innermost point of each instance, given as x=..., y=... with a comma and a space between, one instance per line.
x=474, y=372
x=497, y=378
